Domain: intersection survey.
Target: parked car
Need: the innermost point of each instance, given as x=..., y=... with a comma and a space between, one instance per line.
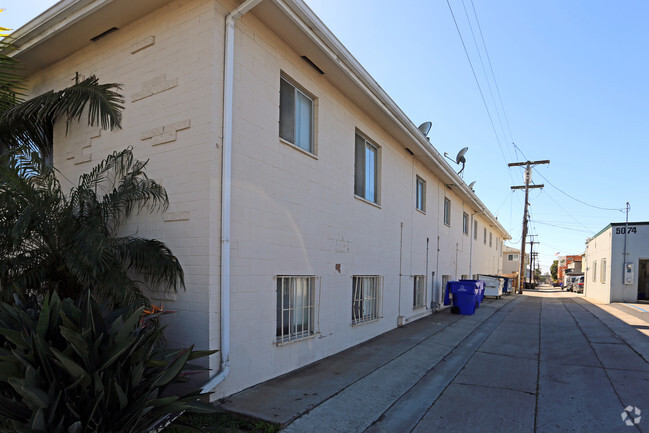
x=579, y=285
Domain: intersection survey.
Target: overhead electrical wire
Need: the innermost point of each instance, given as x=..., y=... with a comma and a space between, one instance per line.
x=569, y=214
x=563, y=227
x=484, y=70
x=466, y=52
x=574, y=198
x=493, y=75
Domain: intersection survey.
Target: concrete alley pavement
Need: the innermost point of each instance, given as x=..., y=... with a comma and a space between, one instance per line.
x=545, y=361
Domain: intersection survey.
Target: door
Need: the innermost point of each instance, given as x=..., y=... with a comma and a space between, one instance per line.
x=643, y=280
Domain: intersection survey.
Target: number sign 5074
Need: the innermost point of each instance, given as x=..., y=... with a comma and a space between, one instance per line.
x=622, y=230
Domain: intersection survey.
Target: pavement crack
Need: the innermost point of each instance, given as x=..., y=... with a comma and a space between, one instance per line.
x=504, y=388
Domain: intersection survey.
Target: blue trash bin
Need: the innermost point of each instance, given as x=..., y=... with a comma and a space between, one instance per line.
x=465, y=296
x=479, y=287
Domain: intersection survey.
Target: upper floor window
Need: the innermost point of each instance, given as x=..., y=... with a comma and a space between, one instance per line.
x=491, y=237
x=602, y=276
x=465, y=223
x=475, y=230
x=447, y=211
x=295, y=116
x=366, y=169
x=421, y=194
x=484, y=241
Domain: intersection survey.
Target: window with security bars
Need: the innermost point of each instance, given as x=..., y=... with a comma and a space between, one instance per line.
x=419, y=292
x=366, y=298
x=445, y=280
x=295, y=307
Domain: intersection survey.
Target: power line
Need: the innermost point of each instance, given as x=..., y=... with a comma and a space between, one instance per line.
x=478, y=83
x=563, y=227
x=484, y=70
x=563, y=192
x=574, y=198
x=502, y=106
x=569, y=214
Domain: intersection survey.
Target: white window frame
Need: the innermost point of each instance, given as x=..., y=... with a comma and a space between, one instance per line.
x=420, y=191
x=366, y=169
x=303, y=104
x=475, y=230
x=447, y=211
x=465, y=223
x=292, y=309
x=491, y=239
x=602, y=270
x=367, y=297
x=594, y=271
x=419, y=292
x=484, y=241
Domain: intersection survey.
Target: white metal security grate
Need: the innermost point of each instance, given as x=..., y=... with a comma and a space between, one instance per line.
x=295, y=307
x=419, y=291
x=366, y=298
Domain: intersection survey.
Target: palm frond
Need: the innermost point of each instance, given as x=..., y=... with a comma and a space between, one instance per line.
x=31, y=122
x=151, y=259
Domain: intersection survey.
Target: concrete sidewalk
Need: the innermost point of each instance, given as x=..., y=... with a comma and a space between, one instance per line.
x=544, y=361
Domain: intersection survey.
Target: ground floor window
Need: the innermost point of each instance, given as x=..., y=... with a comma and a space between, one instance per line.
x=295, y=307
x=446, y=279
x=366, y=298
x=419, y=292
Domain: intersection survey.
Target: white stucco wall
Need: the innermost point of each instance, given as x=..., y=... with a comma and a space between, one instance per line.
x=609, y=245
x=296, y=214
x=597, y=249
x=171, y=79
x=292, y=213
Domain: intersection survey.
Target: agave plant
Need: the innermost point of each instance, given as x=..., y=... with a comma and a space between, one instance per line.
x=70, y=243
x=73, y=369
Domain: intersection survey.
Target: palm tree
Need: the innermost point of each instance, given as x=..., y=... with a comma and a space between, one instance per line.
x=30, y=124
x=69, y=243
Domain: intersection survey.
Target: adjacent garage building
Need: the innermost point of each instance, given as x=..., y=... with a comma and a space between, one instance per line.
x=616, y=263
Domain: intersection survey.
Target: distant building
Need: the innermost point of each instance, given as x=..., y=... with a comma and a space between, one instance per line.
x=568, y=265
x=608, y=276
x=511, y=260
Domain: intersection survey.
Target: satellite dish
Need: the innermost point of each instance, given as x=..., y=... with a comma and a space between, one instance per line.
x=471, y=185
x=460, y=156
x=425, y=128
x=461, y=159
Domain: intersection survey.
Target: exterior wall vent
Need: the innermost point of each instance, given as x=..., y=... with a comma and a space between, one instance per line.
x=313, y=65
x=101, y=35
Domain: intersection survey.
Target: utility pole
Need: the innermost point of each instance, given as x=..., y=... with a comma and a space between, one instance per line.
x=528, y=177
x=532, y=258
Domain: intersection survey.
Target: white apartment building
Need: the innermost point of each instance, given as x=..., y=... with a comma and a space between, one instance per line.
x=308, y=211
x=616, y=263
x=511, y=260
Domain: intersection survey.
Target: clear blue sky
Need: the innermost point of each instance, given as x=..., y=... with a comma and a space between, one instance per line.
x=573, y=77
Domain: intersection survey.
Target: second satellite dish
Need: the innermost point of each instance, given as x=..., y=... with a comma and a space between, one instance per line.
x=460, y=159
x=425, y=128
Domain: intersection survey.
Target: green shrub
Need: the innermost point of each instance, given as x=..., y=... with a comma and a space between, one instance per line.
x=81, y=368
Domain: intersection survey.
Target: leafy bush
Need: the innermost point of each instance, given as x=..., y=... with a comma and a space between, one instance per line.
x=70, y=369
x=70, y=242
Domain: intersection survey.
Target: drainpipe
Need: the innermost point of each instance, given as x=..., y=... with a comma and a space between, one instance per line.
x=226, y=178
x=471, y=243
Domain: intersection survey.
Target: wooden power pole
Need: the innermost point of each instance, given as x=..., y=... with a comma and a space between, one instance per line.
x=528, y=177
